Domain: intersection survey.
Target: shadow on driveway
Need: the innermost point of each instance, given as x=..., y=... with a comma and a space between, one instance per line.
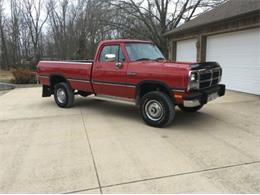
x=131, y=112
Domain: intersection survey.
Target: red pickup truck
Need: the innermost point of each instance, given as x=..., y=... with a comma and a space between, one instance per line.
x=138, y=71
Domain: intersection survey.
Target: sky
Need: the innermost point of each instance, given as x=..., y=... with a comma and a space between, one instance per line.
x=6, y=6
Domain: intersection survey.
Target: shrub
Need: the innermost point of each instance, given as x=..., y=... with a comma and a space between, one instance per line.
x=23, y=76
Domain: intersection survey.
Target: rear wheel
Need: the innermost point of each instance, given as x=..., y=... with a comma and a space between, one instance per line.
x=189, y=109
x=157, y=109
x=63, y=95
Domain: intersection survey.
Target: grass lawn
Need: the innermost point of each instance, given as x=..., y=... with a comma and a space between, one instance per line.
x=5, y=76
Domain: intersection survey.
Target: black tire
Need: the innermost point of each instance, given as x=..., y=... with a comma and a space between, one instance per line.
x=156, y=102
x=189, y=109
x=68, y=98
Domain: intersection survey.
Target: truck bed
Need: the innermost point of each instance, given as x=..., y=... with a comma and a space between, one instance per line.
x=77, y=73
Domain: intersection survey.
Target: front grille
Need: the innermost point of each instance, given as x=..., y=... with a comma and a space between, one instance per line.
x=205, y=76
x=209, y=78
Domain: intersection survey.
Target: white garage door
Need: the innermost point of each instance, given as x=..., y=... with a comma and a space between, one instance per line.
x=239, y=55
x=186, y=51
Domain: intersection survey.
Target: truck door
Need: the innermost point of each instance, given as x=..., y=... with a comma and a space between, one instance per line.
x=109, y=72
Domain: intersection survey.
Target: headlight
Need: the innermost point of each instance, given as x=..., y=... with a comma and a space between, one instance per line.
x=193, y=80
x=193, y=76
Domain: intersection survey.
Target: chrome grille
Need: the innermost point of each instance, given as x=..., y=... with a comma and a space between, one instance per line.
x=208, y=78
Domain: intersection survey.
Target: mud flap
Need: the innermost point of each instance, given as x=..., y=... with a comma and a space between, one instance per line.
x=46, y=91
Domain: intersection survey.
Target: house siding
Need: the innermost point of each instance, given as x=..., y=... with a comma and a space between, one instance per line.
x=248, y=21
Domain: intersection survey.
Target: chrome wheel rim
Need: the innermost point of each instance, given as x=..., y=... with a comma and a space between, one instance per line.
x=154, y=110
x=61, y=95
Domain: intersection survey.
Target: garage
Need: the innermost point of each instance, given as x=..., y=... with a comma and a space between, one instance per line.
x=228, y=34
x=239, y=55
x=186, y=50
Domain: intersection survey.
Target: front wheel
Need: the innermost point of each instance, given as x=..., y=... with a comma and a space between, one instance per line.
x=63, y=95
x=157, y=109
x=189, y=109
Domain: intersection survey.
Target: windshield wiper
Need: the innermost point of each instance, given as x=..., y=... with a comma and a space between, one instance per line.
x=156, y=59
x=142, y=59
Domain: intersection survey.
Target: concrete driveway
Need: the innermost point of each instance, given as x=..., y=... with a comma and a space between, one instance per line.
x=99, y=146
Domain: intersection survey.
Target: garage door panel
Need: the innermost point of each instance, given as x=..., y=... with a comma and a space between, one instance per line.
x=244, y=80
x=239, y=55
x=186, y=51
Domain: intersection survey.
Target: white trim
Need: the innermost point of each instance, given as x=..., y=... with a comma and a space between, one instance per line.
x=64, y=62
x=178, y=90
x=115, y=99
x=43, y=76
x=78, y=80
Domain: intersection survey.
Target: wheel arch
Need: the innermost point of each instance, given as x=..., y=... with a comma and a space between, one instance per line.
x=48, y=90
x=57, y=78
x=146, y=86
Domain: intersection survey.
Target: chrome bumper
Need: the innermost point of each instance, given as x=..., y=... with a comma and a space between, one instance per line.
x=203, y=97
x=191, y=103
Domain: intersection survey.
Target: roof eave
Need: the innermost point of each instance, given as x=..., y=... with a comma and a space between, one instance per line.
x=177, y=31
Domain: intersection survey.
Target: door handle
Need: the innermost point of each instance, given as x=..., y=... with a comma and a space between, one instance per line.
x=131, y=73
x=118, y=65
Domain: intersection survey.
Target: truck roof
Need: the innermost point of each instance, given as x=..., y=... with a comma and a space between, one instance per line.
x=124, y=41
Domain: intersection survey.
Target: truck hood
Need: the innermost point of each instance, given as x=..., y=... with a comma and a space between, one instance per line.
x=191, y=66
x=177, y=69
x=161, y=64
x=181, y=65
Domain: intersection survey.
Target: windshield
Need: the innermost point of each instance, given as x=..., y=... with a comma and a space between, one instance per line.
x=143, y=51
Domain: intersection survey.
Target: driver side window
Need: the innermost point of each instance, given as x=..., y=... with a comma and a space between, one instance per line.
x=112, y=49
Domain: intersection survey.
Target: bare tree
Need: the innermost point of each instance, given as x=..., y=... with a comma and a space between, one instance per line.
x=58, y=19
x=76, y=28
x=14, y=30
x=152, y=18
x=64, y=29
x=35, y=19
x=4, y=53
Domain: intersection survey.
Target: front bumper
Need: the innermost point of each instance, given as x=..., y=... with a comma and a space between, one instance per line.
x=197, y=98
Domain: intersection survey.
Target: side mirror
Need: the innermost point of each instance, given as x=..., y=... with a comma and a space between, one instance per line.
x=110, y=57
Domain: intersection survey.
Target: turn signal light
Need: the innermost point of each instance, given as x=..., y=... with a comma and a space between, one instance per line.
x=178, y=96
